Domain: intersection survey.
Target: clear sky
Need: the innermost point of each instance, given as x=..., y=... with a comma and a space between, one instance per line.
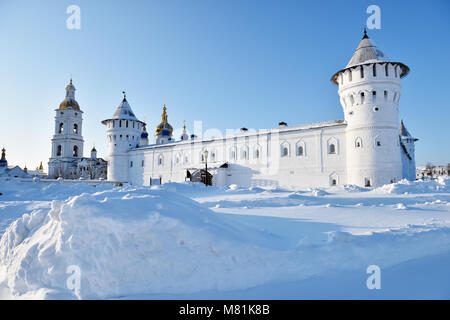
x=229, y=63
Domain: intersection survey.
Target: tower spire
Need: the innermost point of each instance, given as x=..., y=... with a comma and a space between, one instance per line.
x=365, y=34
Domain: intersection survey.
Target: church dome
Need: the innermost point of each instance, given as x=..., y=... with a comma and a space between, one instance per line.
x=164, y=128
x=69, y=102
x=144, y=135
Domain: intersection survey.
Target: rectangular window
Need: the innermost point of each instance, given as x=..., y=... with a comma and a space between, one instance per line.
x=131, y=164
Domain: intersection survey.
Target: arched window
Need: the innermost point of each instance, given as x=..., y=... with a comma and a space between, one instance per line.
x=374, y=70
x=244, y=153
x=395, y=68
x=362, y=72
x=75, y=151
x=58, y=151
x=285, y=148
x=350, y=75
x=387, y=69
x=75, y=128
x=334, y=179
x=257, y=154
x=358, y=143
x=160, y=160
x=61, y=128
x=127, y=124
x=233, y=153
x=300, y=148
x=332, y=149
x=362, y=97
x=385, y=95
x=374, y=96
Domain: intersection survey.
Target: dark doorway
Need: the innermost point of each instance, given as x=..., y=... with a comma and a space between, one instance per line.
x=202, y=176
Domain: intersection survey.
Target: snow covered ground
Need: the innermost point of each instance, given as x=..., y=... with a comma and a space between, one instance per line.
x=188, y=241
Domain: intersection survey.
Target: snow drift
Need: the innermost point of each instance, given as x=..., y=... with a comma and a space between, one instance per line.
x=132, y=241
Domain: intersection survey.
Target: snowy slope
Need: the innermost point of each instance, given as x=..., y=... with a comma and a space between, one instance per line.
x=186, y=240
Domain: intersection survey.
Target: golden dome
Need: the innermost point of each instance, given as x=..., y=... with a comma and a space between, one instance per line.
x=69, y=103
x=164, y=124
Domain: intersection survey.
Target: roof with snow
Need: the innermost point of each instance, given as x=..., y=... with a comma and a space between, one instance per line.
x=367, y=52
x=404, y=132
x=123, y=112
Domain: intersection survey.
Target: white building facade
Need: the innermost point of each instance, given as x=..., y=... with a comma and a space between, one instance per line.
x=367, y=148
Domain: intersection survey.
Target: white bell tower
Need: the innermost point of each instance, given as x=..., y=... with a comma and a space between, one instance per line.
x=67, y=142
x=369, y=90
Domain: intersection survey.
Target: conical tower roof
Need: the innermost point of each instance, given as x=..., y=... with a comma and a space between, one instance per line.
x=367, y=52
x=123, y=112
x=404, y=132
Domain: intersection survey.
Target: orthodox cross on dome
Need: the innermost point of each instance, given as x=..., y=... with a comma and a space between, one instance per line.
x=3, y=153
x=124, y=95
x=184, y=126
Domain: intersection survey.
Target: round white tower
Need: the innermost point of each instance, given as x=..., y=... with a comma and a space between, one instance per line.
x=123, y=132
x=369, y=90
x=67, y=142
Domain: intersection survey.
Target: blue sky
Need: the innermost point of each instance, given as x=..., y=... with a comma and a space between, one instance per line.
x=230, y=63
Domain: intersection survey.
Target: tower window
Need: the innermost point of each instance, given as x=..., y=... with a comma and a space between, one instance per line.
x=387, y=69
x=142, y=163
x=131, y=164
x=59, y=151
x=395, y=68
x=285, y=152
x=385, y=95
x=300, y=151
x=120, y=123
x=362, y=97
x=75, y=128
x=352, y=100
x=75, y=151
x=127, y=124
x=61, y=127
x=332, y=149
x=350, y=75
x=374, y=96
x=378, y=143
x=257, y=154
x=333, y=182
x=362, y=72
x=374, y=70
x=367, y=182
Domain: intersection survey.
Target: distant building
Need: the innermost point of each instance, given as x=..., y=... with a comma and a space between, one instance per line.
x=10, y=171
x=432, y=171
